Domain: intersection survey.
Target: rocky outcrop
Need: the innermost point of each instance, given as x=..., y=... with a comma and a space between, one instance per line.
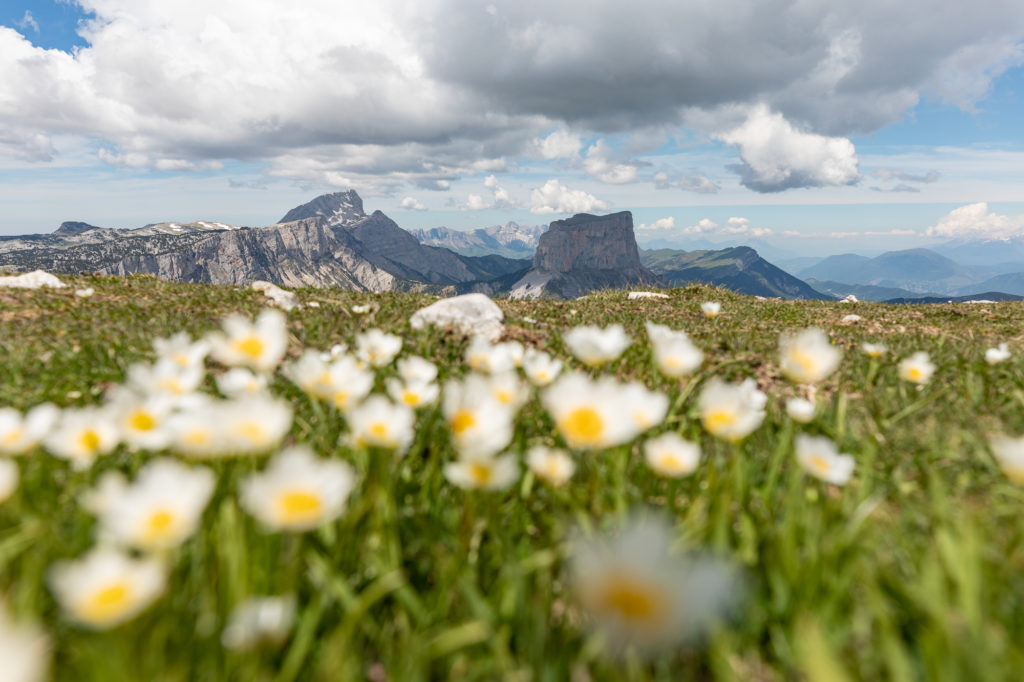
x=72, y=227
x=582, y=254
x=337, y=208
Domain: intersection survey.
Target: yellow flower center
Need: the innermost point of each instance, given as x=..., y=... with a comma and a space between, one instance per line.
x=141, y=421
x=669, y=462
x=504, y=397
x=12, y=437
x=197, y=438
x=551, y=469
x=181, y=359
x=172, y=385
x=252, y=432
x=107, y=604
x=251, y=347
x=462, y=420
x=379, y=430
x=630, y=599
x=820, y=464
x=915, y=374
x=1014, y=473
x=480, y=473
x=341, y=399
x=411, y=398
x=717, y=421
x=807, y=362
x=159, y=526
x=583, y=426
x=324, y=379
x=299, y=506
x=90, y=440
x=542, y=377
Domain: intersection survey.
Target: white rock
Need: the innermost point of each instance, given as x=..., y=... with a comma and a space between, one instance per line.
x=280, y=297
x=634, y=295
x=469, y=314
x=851, y=318
x=850, y=298
x=31, y=280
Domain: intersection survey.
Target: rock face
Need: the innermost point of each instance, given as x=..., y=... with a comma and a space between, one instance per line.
x=469, y=314
x=582, y=254
x=72, y=227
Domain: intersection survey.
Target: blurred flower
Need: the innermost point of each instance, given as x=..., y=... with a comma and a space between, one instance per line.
x=820, y=458
x=1009, y=454
x=254, y=423
x=361, y=309
x=106, y=587
x=917, y=368
x=412, y=393
x=196, y=431
x=711, y=309
x=84, y=293
x=670, y=455
x=341, y=381
x=377, y=348
x=238, y=382
x=873, y=350
x=591, y=414
x=159, y=510
x=800, y=410
x=298, y=491
x=81, y=435
x=594, y=346
x=648, y=408
x=20, y=434
x=640, y=595
x=540, y=368
x=483, y=356
x=414, y=369
x=674, y=353
x=483, y=473
x=258, y=345
x=508, y=389
x=24, y=650
x=379, y=423
x=852, y=318
x=994, y=356
x=141, y=420
x=515, y=350
x=480, y=425
x=550, y=465
x=808, y=357
x=731, y=411
x=182, y=350
x=8, y=479
x=259, y=619
x=166, y=377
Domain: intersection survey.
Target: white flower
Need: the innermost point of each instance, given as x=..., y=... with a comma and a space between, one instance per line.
x=550, y=465
x=1009, y=454
x=819, y=457
x=540, y=368
x=254, y=423
x=196, y=431
x=8, y=479
x=508, y=389
x=142, y=420
x=361, y=309
x=159, y=510
x=670, y=455
x=82, y=435
x=413, y=394
x=313, y=304
x=238, y=381
x=340, y=381
x=24, y=650
x=591, y=414
x=483, y=356
x=84, y=293
x=873, y=350
x=480, y=426
x=21, y=434
x=259, y=619
x=336, y=351
x=379, y=423
x=377, y=348
x=483, y=473
x=917, y=368
x=731, y=411
x=258, y=345
x=166, y=377
x=181, y=349
x=640, y=595
x=106, y=587
x=594, y=346
x=298, y=491
x=648, y=408
x=414, y=369
x=800, y=410
x=994, y=356
x=515, y=350
x=711, y=308
x=674, y=353
x=808, y=357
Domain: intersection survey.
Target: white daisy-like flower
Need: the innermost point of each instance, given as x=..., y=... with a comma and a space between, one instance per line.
x=181, y=349
x=81, y=435
x=648, y=408
x=335, y=352
x=254, y=423
x=298, y=491
x=1009, y=453
x=711, y=308
x=256, y=620
x=873, y=350
x=24, y=650
x=594, y=346
x=412, y=393
x=377, y=348
x=380, y=423
x=994, y=356
x=674, y=353
x=515, y=350
x=671, y=455
x=731, y=411
x=480, y=426
x=159, y=510
x=917, y=369
x=509, y=390
x=197, y=431
x=820, y=458
x=142, y=420
x=591, y=414
x=414, y=369
x=20, y=434
x=166, y=377
x=808, y=357
x=106, y=587
x=239, y=381
x=258, y=345
x=361, y=309
x=8, y=479
x=483, y=473
x=800, y=410
x=540, y=368
x=490, y=358
x=639, y=595
x=551, y=465
x=341, y=381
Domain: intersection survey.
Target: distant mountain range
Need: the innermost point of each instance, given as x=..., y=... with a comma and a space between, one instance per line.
x=511, y=240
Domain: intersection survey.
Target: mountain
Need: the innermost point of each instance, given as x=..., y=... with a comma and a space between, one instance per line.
x=739, y=268
x=1011, y=283
x=917, y=270
x=864, y=292
x=584, y=253
x=845, y=267
x=71, y=228
x=995, y=296
x=985, y=251
x=511, y=239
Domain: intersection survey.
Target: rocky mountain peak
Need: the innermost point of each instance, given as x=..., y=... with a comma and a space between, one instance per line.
x=589, y=242
x=337, y=208
x=71, y=228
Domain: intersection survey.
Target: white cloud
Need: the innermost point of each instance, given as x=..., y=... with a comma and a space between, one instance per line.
x=560, y=144
x=975, y=222
x=733, y=226
x=411, y=204
x=668, y=223
x=28, y=22
x=601, y=163
x=776, y=156
x=695, y=182
x=475, y=202
x=554, y=197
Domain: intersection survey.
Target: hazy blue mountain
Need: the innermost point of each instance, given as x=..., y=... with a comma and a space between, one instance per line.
x=511, y=240
x=989, y=252
x=1011, y=283
x=845, y=267
x=864, y=292
x=917, y=270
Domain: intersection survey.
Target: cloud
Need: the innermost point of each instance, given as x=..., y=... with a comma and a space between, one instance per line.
x=776, y=156
x=559, y=144
x=696, y=182
x=902, y=187
x=433, y=184
x=554, y=197
x=475, y=202
x=975, y=222
x=668, y=223
x=893, y=174
x=242, y=184
x=28, y=22
x=602, y=164
x=502, y=199
x=732, y=227
x=411, y=204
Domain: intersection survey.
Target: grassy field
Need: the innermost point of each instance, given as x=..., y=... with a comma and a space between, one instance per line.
x=914, y=570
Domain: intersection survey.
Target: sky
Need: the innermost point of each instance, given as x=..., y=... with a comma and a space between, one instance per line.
x=817, y=126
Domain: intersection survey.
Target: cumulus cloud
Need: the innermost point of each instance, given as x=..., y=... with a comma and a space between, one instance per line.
x=502, y=198
x=668, y=223
x=559, y=144
x=475, y=202
x=696, y=182
x=974, y=221
x=732, y=227
x=602, y=163
x=902, y=187
x=554, y=197
x=411, y=204
x=28, y=22
x=893, y=174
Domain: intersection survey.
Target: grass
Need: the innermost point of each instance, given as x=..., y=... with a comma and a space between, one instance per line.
x=914, y=570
